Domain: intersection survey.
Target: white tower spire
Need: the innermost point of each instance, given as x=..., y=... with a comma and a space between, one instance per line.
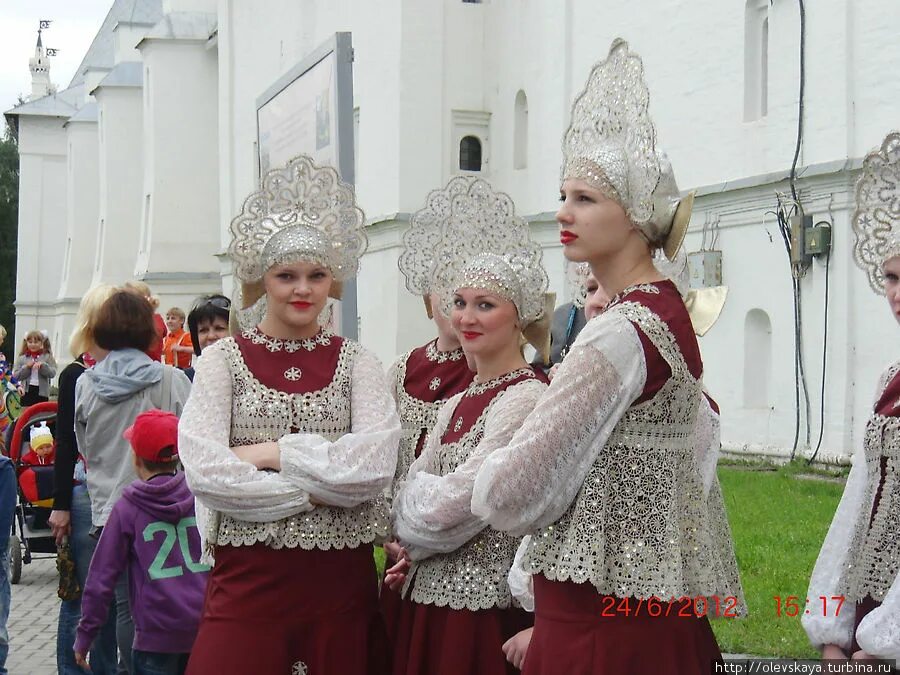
x=39, y=65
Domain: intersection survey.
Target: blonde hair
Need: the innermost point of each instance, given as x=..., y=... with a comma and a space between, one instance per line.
x=142, y=289
x=82, y=338
x=177, y=311
x=2, y=333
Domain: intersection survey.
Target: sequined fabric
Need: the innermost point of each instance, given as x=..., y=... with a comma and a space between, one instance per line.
x=301, y=212
x=611, y=144
x=876, y=220
x=642, y=524
x=873, y=561
x=260, y=414
x=474, y=575
x=468, y=235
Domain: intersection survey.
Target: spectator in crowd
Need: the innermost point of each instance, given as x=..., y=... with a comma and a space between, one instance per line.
x=166, y=600
x=35, y=367
x=177, y=345
x=7, y=513
x=124, y=383
x=70, y=520
x=143, y=290
x=208, y=323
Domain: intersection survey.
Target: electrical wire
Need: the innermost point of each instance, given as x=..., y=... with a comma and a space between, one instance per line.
x=793, y=177
x=824, y=361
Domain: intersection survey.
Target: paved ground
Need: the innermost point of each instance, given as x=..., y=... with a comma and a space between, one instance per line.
x=32, y=620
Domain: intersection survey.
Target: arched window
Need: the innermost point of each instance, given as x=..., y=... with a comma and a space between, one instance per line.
x=756, y=59
x=757, y=359
x=520, y=132
x=470, y=154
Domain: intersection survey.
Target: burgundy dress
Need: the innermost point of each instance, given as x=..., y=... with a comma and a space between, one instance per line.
x=424, y=379
x=434, y=637
x=301, y=597
x=579, y=631
x=886, y=407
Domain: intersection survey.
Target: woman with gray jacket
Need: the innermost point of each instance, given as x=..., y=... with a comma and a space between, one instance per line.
x=124, y=383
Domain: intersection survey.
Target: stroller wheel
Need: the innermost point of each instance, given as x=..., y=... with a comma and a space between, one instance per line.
x=15, y=559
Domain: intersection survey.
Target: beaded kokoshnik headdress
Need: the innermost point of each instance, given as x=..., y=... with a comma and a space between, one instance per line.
x=611, y=145
x=302, y=211
x=876, y=219
x=469, y=236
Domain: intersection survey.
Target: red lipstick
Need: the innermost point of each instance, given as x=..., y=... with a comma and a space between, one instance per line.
x=566, y=237
x=470, y=335
x=301, y=304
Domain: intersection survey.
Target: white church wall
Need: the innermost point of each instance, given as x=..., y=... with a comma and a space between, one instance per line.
x=42, y=221
x=82, y=217
x=121, y=144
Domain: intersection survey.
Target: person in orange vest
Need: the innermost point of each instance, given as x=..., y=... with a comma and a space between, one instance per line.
x=177, y=345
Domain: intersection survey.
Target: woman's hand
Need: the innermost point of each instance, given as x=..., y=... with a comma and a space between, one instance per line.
x=396, y=575
x=261, y=455
x=550, y=375
x=394, y=551
x=60, y=525
x=81, y=660
x=862, y=655
x=516, y=648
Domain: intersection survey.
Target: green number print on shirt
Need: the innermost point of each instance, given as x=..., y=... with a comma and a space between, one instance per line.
x=172, y=533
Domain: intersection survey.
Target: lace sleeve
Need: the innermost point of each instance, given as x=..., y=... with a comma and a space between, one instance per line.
x=532, y=481
x=218, y=479
x=358, y=466
x=832, y=560
x=433, y=513
x=521, y=583
x=879, y=631
x=708, y=443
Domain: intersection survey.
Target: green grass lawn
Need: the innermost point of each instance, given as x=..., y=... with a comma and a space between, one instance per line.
x=778, y=522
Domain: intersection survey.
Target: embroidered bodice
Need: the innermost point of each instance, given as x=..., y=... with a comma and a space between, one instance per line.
x=309, y=400
x=423, y=380
x=459, y=562
x=860, y=556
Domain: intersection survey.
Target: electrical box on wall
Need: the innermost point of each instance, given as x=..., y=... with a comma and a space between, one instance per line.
x=817, y=239
x=800, y=224
x=705, y=269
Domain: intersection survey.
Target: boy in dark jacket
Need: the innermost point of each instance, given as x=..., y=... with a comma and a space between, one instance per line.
x=151, y=532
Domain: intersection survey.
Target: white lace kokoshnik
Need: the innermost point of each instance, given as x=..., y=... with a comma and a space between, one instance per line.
x=859, y=559
x=607, y=495
x=346, y=458
x=459, y=561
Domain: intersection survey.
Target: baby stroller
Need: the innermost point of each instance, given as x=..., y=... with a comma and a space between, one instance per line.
x=35, y=489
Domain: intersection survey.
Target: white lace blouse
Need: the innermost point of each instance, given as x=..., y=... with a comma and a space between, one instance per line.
x=345, y=470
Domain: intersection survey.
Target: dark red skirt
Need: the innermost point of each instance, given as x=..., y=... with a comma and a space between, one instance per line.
x=432, y=640
x=391, y=603
x=572, y=637
x=291, y=610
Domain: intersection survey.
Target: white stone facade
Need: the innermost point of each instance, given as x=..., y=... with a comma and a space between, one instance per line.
x=179, y=156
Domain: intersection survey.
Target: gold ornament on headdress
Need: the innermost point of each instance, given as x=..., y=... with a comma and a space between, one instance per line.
x=876, y=219
x=611, y=145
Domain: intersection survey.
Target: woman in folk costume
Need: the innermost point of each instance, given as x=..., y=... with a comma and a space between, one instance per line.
x=492, y=284
x=860, y=559
x=614, y=472
x=424, y=378
x=289, y=442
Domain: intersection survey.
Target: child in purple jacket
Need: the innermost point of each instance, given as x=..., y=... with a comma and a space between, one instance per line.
x=151, y=533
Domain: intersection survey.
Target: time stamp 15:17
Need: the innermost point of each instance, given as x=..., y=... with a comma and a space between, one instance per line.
x=824, y=605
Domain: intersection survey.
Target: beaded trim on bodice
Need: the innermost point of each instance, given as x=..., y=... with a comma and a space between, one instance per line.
x=474, y=576
x=640, y=526
x=874, y=558
x=261, y=414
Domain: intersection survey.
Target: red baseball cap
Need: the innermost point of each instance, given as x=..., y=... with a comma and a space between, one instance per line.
x=154, y=436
